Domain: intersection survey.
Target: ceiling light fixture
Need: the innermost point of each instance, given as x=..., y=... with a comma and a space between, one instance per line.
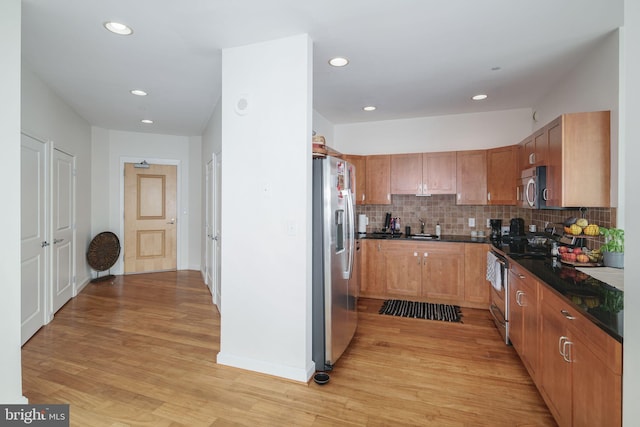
x=338, y=61
x=138, y=92
x=369, y=108
x=479, y=97
x=147, y=121
x=118, y=28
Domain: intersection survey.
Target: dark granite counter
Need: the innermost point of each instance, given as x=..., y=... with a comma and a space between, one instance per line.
x=598, y=301
x=443, y=238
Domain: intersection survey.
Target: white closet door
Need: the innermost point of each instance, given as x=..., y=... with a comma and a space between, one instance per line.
x=63, y=224
x=33, y=232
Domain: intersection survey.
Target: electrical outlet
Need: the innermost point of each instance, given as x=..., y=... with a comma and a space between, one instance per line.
x=488, y=223
x=472, y=222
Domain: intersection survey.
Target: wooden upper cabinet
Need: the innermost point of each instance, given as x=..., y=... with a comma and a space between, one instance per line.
x=471, y=178
x=534, y=150
x=579, y=166
x=502, y=175
x=423, y=173
x=439, y=173
x=406, y=173
x=378, y=180
x=360, y=163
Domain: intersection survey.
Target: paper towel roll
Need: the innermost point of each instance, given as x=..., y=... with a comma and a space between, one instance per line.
x=363, y=221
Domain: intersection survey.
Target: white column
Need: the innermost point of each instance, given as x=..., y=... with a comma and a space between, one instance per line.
x=10, y=362
x=266, y=207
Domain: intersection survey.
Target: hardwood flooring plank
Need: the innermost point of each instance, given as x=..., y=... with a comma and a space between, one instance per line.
x=140, y=351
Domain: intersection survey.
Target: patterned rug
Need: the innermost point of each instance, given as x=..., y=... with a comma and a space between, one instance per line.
x=421, y=310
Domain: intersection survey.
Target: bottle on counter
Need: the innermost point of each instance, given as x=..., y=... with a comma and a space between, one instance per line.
x=438, y=229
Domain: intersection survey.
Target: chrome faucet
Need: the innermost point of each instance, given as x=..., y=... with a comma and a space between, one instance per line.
x=421, y=225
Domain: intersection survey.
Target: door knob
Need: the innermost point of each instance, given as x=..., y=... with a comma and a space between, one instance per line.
x=173, y=221
x=56, y=241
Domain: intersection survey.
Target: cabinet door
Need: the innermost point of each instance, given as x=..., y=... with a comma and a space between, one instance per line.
x=502, y=175
x=439, y=173
x=554, y=371
x=471, y=177
x=516, y=326
x=540, y=148
x=406, y=174
x=378, y=180
x=476, y=287
x=554, y=164
x=530, y=324
x=597, y=391
x=360, y=163
x=403, y=269
x=526, y=153
x=443, y=271
x=372, y=274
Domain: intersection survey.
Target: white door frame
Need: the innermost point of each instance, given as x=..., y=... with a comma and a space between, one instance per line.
x=208, y=225
x=179, y=264
x=217, y=228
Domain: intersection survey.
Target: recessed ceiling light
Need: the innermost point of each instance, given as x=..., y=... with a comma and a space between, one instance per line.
x=138, y=92
x=479, y=97
x=369, y=108
x=496, y=68
x=338, y=61
x=146, y=121
x=118, y=28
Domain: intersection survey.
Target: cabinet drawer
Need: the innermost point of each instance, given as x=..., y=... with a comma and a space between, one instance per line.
x=607, y=349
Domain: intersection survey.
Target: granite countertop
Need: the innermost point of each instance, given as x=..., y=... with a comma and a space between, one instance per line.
x=443, y=238
x=597, y=300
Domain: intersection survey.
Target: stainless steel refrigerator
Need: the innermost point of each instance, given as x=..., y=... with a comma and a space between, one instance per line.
x=335, y=289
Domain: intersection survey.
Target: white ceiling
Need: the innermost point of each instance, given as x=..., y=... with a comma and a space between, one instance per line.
x=410, y=58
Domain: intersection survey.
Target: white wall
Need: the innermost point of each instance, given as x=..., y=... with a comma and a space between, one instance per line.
x=592, y=86
x=47, y=117
x=629, y=137
x=266, y=208
x=324, y=127
x=430, y=134
x=10, y=363
x=112, y=148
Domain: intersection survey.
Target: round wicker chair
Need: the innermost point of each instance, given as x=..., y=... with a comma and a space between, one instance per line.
x=103, y=253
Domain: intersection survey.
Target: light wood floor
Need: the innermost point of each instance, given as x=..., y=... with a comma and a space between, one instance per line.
x=141, y=352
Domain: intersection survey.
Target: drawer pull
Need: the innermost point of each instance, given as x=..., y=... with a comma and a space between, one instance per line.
x=566, y=314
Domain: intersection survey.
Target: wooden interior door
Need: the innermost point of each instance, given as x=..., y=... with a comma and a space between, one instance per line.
x=150, y=218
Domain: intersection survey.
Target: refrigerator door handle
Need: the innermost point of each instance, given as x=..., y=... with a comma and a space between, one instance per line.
x=350, y=234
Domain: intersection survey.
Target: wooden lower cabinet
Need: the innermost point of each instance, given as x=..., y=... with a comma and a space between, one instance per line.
x=476, y=287
x=426, y=271
x=580, y=369
x=372, y=269
x=523, y=317
x=442, y=271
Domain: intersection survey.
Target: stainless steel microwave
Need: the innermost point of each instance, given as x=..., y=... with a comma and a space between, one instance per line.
x=532, y=188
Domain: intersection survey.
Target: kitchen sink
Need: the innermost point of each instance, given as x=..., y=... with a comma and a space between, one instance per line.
x=422, y=236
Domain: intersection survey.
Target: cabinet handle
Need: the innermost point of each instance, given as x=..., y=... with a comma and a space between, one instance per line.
x=388, y=196
x=561, y=346
x=419, y=188
x=566, y=314
x=363, y=197
x=425, y=188
x=517, y=193
x=415, y=254
x=459, y=196
x=489, y=196
x=545, y=194
x=521, y=276
x=518, y=300
x=532, y=158
x=379, y=249
x=566, y=351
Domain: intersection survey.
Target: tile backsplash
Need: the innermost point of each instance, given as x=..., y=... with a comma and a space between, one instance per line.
x=454, y=219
